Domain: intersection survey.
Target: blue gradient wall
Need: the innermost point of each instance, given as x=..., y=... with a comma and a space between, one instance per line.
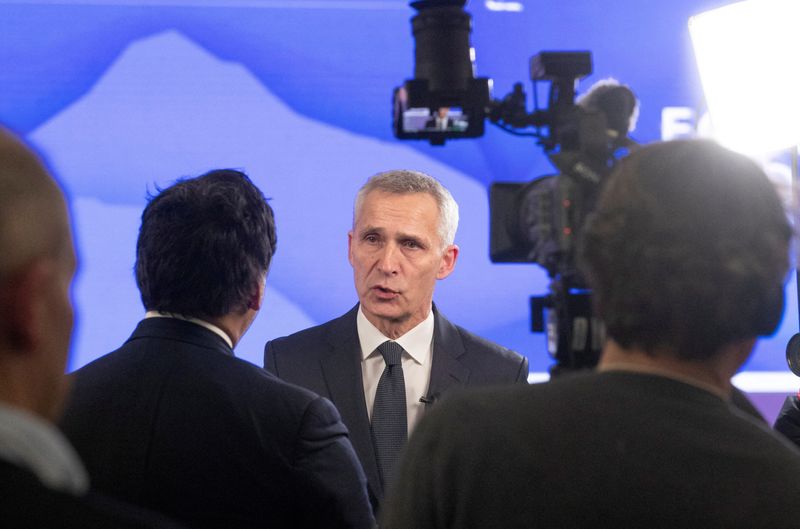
x=125, y=96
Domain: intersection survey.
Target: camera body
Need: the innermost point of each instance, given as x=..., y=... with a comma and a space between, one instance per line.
x=539, y=221
x=445, y=100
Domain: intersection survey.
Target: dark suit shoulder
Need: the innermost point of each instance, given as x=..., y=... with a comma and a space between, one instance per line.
x=194, y=367
x=298, y=342
x=292, y=357
x=298, y=357
x=480, y=345
x=490, y=362
x=308, y=341
x=171, y=412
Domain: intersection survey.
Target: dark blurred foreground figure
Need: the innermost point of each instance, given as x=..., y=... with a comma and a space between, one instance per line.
x=686, y=255
x=172, y=420
x=43, y=483
x=788, y=420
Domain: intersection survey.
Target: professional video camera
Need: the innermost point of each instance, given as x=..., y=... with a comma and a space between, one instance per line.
x=540, y=221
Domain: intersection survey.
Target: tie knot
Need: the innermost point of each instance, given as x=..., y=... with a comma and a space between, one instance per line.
x=391, y=352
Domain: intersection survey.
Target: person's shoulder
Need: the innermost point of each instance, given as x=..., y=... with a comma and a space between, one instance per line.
x=285, y=406
x=309, y=339
x=107, y=370
x=463, y=410
x=540, y=393
x=28, y=503
x=496, y=405
x=478, y=344
x=775, y=443
x=776, y=457
x=244, y=385
x=309, y=335
x=487, y=356
x=256, y=382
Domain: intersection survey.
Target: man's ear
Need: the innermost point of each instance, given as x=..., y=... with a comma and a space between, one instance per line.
x=448, y=262
x=23, y=311
x=257, y=295
x=350, y=247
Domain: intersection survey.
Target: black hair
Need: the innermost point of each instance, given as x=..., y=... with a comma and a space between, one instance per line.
x=204, y=245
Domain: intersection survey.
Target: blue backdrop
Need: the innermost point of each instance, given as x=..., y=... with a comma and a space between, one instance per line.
x=123, y=95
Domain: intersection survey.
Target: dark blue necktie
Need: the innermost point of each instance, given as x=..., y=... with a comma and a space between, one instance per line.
x=389, y=424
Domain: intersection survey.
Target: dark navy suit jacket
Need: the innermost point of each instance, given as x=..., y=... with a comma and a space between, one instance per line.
x=174, y=422
x=327, y=360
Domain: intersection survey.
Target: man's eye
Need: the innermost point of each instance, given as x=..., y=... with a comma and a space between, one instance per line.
x=411, y=244
x=371, y=238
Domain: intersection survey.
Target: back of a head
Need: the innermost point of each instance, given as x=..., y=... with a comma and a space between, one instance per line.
x=33, y=219
x=37, y=264
x=687, y=250
x=204, y=244
x=616, y=101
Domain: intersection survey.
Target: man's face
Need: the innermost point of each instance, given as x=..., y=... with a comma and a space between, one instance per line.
x=397, y=256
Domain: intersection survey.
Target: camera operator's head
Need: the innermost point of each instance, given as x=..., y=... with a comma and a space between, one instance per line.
x=617, y=103
x=687, y=251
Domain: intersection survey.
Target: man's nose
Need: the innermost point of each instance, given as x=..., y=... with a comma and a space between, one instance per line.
x=388, y=262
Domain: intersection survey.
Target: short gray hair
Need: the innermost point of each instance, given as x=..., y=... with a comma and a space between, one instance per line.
x=404, y=182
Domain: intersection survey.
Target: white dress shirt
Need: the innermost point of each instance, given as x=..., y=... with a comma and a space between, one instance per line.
x=416, y=361
x=33, y=443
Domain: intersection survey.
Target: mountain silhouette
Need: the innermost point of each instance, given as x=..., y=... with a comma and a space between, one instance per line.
x=167, y=108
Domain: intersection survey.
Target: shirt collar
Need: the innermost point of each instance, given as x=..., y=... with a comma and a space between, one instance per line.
x=30, y=442
x=202, y=323
x=416, y=342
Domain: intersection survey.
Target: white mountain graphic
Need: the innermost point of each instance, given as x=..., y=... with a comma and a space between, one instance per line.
x=167, y=108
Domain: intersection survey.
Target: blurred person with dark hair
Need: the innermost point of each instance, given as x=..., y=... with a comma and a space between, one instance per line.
x=172, y=420
x=618, y=105
x=686, y=254
x=392, y=356
x=43, y=483
x=788, y=420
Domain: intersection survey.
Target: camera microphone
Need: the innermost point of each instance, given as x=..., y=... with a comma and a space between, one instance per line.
x=793, y=354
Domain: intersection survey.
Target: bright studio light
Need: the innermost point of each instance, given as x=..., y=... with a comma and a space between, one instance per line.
x=747, y=55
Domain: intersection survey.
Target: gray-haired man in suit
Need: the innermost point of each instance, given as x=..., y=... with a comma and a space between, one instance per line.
x=402, y=242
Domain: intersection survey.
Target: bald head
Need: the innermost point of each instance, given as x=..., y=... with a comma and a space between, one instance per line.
x=32, y=210
x=37, y=264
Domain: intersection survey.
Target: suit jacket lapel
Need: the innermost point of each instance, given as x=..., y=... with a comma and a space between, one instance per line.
x=342, y=369
x=446, y=369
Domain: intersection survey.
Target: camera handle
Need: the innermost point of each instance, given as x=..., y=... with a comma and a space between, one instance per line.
x=793, y=347
x=574, y=336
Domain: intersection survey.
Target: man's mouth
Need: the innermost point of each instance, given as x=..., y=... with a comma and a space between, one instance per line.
x=384, y=292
